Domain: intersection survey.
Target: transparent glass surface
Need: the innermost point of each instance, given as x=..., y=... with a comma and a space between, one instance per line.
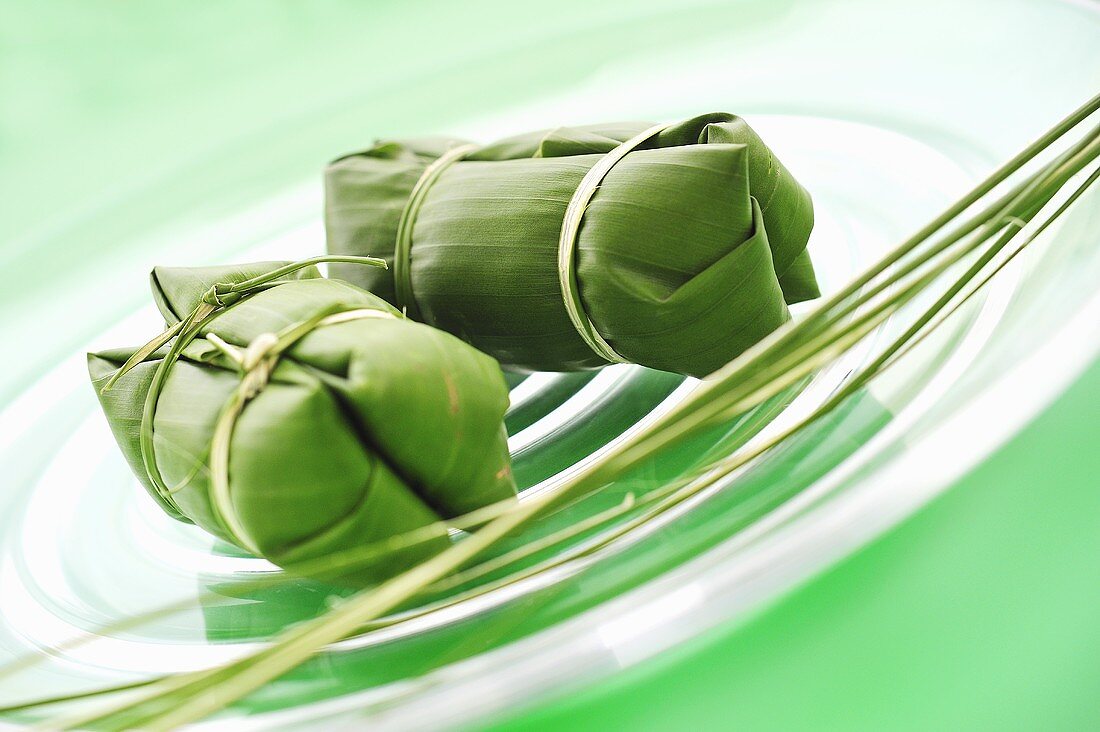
x=885, y=111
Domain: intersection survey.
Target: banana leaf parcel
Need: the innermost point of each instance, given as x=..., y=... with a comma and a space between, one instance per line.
x=673, y=246
x=302, y=419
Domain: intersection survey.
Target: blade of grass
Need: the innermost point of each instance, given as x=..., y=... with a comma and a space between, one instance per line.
x=183, y=704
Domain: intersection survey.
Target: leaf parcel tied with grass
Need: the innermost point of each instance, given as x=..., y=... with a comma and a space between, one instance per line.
x=673, y=246
x=297, y=416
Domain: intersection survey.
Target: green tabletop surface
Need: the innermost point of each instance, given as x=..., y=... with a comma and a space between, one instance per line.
x=979, y=611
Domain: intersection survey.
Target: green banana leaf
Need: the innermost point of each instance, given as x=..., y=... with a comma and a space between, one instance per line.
x=364, y=430
x=689, y=252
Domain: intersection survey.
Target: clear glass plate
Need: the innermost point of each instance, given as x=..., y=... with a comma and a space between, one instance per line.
x=886, y=111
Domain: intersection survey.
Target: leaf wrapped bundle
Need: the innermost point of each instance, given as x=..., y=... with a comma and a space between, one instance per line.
x=673, y=246
x=307, y=417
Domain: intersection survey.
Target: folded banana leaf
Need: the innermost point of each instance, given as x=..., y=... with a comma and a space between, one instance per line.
x=673, y=246
x=301, y=418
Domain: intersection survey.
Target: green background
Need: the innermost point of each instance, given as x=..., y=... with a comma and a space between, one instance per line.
x=980, y=611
